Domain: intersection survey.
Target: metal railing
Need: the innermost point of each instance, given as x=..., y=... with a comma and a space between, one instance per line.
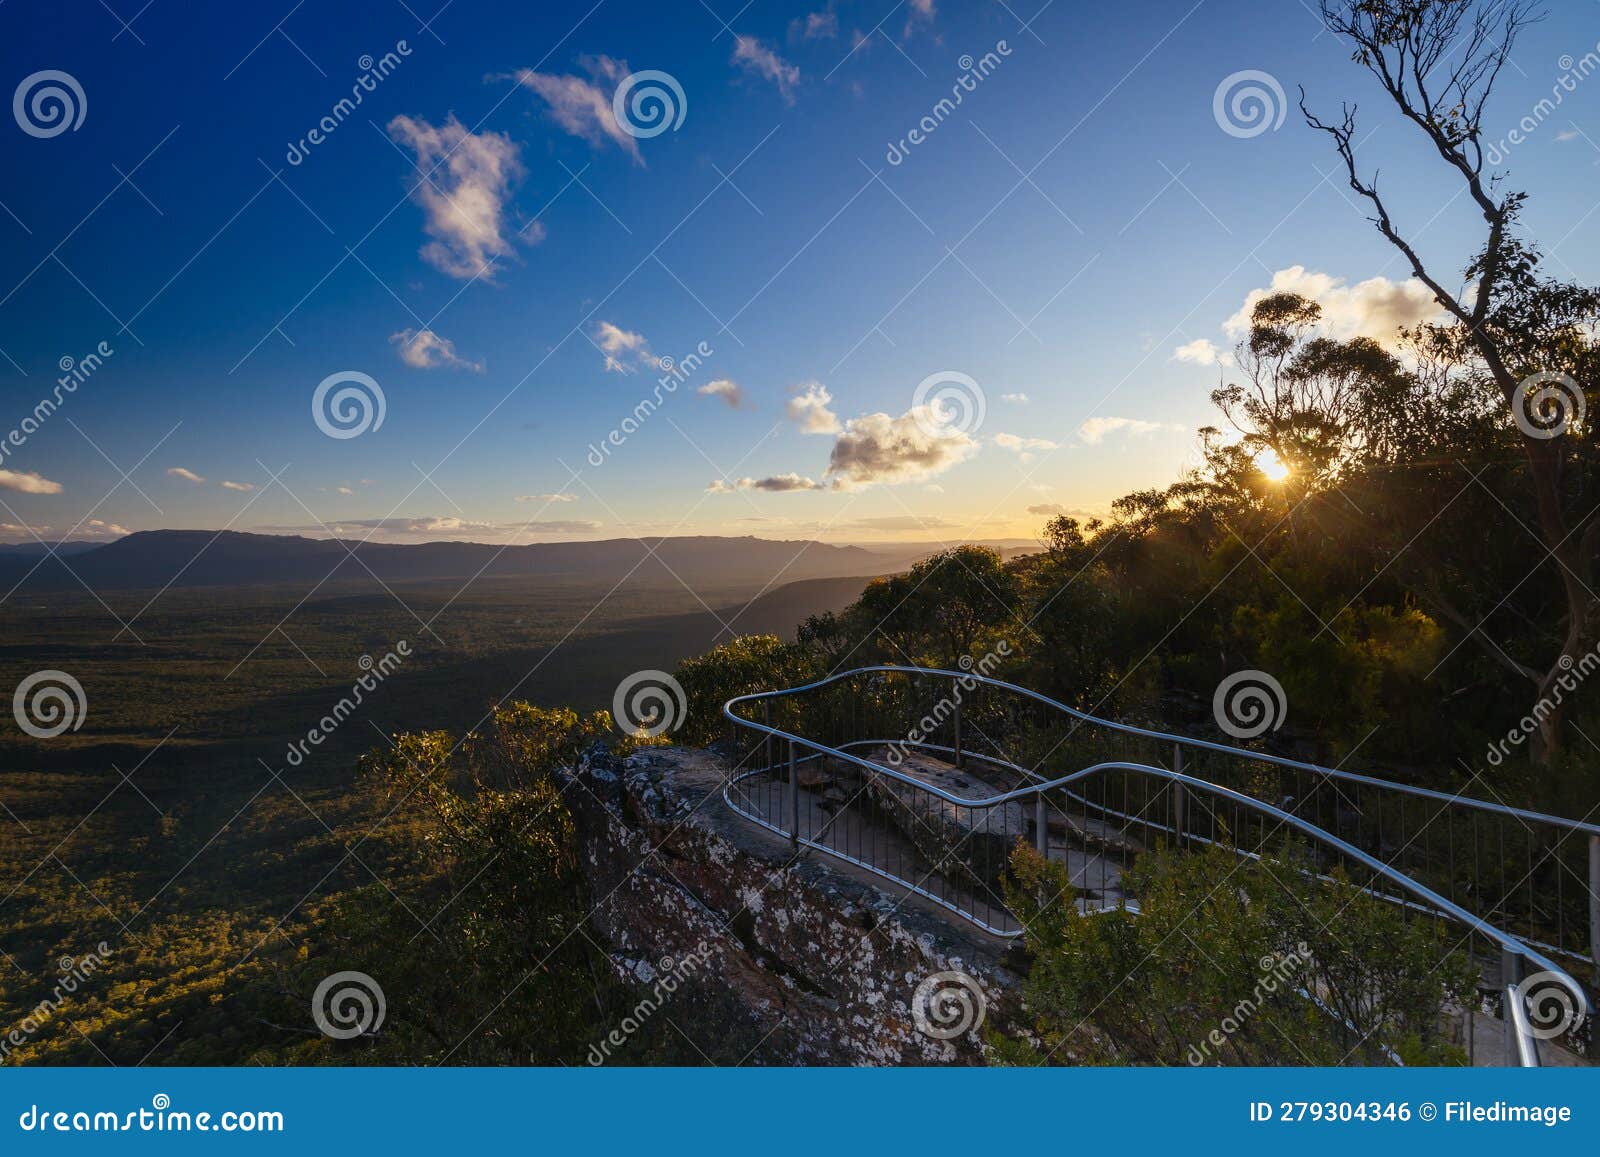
x=844, y=775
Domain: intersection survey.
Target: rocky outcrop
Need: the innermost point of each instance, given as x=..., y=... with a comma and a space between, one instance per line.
x=798, y=960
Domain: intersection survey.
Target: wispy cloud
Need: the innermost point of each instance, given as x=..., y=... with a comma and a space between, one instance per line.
x=242, y=487
x=28, y=482
x=1095, y=430
x=623, y=349
x=425, y=350
x=729, y=391
x=756, y=59
x=547, y=498
x=186, y=474
x=463, y=200
x=822, y=25
x=1023, y=447
x=778, y=483
x=583, y=107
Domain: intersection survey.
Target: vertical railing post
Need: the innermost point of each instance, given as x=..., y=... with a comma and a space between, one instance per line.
x=1510, y=974
x=958, y=729
x=1594, y=902
x=1177, y=795
x=794, y=796
x=766, y=741
x=1041, y=825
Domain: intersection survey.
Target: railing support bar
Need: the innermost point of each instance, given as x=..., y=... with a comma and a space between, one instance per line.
x=957, y=744
x=1510, y=978
x=1594, y=903
x=1177, y=795
x=1041, y=825
x=794, y=796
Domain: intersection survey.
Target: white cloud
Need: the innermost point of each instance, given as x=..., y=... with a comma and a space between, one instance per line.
x=1023, y=447
x=451, y=525
x=756, y=59
x=778, y=483
x=815, y=26
x=1568, y=135
x=547, y=498
x=242, y=487
x=1199, y=352
x=899, y=522
x=95, y=528
x=186, y=474
x=1019, y=399
x=876, y=448
x=1095, y=429
x=345, y=490
x=1047, y=509
x=463, y=199
x=809, y=410
x=620, y=345
x=27, y=482
x=1374, y=308
x=426, y=350
x=729, y=391
x=584, y=107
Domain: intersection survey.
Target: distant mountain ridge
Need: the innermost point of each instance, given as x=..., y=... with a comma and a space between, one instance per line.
x=158, y=558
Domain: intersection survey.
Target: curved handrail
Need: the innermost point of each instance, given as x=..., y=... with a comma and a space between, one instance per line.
x=1440, y=904
x=1168, y=737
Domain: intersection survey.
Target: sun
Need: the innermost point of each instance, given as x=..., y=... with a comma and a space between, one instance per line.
x=1268, y=462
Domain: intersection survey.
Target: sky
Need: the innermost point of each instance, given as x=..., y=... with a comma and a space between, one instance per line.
x=777, y=289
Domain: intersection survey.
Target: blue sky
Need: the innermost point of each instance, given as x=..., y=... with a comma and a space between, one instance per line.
x=1079, y=218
